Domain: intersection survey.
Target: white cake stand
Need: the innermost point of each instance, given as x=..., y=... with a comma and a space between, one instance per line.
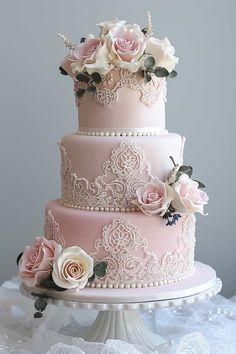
x=118, y=317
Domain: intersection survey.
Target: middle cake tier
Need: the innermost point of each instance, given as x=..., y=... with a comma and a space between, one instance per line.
x=103, y=173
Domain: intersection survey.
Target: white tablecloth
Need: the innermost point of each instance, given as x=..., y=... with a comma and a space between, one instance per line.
x=206, y=327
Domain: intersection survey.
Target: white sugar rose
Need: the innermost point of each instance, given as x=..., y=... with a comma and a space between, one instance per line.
x=126, y=45
x=73, y=268
x=188, y=197
x=100, y=63
x=154, y=198
x=105, y=26
x=163, y=53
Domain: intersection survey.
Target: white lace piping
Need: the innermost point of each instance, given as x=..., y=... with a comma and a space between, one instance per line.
x=130, y=265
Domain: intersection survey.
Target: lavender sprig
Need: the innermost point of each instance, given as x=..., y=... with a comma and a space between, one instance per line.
x=171, y=217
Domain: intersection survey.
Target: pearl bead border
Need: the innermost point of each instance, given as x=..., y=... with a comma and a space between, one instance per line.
x=106, y=209
x=123, y=134
x=138, y=285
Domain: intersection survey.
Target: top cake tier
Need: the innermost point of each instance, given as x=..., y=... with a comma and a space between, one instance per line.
x=120, y=79
x=123, y=104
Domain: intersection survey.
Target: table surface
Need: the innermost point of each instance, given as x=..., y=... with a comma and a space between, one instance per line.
x=206, y=327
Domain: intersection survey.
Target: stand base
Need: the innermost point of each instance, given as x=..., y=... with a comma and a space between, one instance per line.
x=123, y=325
x=118, y=318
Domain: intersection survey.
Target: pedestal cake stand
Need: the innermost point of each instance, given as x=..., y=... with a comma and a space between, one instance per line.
x=118, y=317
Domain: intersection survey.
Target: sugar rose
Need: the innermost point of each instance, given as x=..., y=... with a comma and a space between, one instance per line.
x=73, y=268
x=37, y=261
x=126, y=45
x=163, y=53
x=154, y=198
x=188, y=197
x=91, y=55
x=105, y=26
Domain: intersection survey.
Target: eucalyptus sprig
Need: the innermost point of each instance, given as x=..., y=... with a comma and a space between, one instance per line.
x=90, y=80
x=150, y=68
x=40, y=305
x=99, y=270
x=183, y=169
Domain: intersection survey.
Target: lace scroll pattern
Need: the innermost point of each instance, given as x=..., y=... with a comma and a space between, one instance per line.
x=126, y=170
x=52, y=229
x=129, y=264
x=107, y=91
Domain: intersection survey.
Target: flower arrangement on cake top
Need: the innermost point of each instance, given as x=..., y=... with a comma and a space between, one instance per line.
x=118, y=46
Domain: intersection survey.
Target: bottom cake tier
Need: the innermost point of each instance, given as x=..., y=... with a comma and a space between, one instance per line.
x=140, y=251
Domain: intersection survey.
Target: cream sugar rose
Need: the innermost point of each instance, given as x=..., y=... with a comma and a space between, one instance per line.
x=125, y=218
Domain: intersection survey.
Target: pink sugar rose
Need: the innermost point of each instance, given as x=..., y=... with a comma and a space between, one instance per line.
x=37, y=261
x=154, y=198
x=91, y=55
x=127, y=44
x=188, y=197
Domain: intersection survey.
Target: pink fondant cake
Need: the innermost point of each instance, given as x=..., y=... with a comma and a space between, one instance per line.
x=125, y=218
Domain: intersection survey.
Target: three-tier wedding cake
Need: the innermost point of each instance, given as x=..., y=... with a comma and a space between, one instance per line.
x=125, y=218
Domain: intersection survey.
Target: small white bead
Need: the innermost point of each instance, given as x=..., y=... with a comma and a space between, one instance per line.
x=104, y=286
x=83, y=208
x=128, y=209
x=130, y=134
x=117, y=134
x=98, y=285
x=96, y=208
x=127, y=286
x=124, y=134
x=89, y=133
x=101, y=209
x=107, y=134
x=88, y=284
x=112, y=209
x=150, y=284
x=106, y=209
x=116, y=286
x=145, y=285
x=79, y=207
x=139, y=285
x=113, y=134
x=92, y=208
x=121, y=286
x=87, y=208
x=102, y=133
x=135, y=133
x=122, y=210
x=92, y=285
x=117, y=209
x=133, y=286
x=97, y=133
x=139, y=134
x=110, y=286
x=93, y=133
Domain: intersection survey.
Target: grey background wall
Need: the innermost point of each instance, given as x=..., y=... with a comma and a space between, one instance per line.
x=37, y=108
